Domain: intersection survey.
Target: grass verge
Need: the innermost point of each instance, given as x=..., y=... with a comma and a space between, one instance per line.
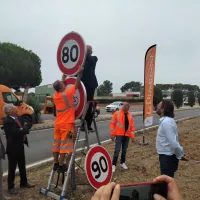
x=143, y=166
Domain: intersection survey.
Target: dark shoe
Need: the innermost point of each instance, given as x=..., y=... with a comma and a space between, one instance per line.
x=55, y=167
x=13, y=191
x=27, y=185
x=62, y=169
x=90, y=129
x=83, y=129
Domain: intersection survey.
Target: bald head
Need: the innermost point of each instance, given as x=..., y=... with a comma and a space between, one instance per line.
x=89, y=49
x=59, y=86
x=126, y=106
x=10, y=110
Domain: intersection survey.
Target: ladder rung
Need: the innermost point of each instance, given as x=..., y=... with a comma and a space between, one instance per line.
x=57, y=186
x=77, y=159
x=81, y=140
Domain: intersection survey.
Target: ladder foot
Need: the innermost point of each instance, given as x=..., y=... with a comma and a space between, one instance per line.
x=51, y=194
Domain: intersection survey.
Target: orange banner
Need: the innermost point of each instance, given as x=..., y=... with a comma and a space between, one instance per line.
x=149, y=72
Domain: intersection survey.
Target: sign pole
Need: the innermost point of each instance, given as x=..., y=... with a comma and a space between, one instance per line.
x=149, y=73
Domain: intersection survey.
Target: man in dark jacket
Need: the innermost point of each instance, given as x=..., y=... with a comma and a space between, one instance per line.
x=90, y=81
x=2, y=156
x=16, y=130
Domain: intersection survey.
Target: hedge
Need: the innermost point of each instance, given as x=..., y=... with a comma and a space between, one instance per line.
x=123, y=99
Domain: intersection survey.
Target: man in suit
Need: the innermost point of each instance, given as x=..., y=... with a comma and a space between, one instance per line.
x=16, y=130
x=90, y=81
x=2, y=156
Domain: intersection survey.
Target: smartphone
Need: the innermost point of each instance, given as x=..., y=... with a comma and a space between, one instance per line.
x=143, y=191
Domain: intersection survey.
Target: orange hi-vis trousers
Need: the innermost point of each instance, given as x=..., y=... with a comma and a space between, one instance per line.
x=64, y=137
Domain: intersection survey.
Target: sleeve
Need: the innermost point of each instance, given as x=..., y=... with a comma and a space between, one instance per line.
x=113, y=124
x=95, y=61
x=71, y=91
x=11, y=128
x=171, y=135
x=132, y=128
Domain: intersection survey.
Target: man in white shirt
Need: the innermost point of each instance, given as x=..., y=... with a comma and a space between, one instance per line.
x=167, y=143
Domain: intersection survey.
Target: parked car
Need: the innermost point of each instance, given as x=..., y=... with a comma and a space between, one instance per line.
x=185, y=101
x=114, y=106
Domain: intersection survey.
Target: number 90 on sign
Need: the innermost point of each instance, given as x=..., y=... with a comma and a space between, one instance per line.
x=99, y=167
x=70, y=54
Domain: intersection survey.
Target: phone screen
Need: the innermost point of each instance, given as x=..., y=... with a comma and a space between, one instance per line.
x=143, y=191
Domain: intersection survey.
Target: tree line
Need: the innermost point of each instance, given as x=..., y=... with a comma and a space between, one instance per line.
x=19, y=68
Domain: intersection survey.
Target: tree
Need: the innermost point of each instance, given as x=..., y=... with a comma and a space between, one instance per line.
x=157, y=98
x=131, y=86
x=34, y=102
x=19, y=68
x=191, y=98
x=198, y=96
x=105, y=89
x=179, y=86
x=177, y=98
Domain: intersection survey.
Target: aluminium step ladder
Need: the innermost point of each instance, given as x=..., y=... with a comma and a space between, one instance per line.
x=66, y=180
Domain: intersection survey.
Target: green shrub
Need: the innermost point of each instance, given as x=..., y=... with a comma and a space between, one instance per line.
x=191, y=98
x=35, y=103
x=157, y=98
x=198, y=97
x=177, y=98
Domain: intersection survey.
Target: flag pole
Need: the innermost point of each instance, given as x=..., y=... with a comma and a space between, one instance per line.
x=149, y=72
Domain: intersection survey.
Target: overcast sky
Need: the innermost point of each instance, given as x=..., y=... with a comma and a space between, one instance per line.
x=120, y=32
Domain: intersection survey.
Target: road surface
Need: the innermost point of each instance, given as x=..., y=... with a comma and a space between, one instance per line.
x=102, y=112
x=40, y=142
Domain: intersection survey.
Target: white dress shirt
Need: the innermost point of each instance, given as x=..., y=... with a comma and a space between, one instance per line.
x=167, y=138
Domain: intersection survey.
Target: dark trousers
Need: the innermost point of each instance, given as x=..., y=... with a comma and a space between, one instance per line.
x=89, y=115
x=168, y=164
x=13, y=161
x=121, y=141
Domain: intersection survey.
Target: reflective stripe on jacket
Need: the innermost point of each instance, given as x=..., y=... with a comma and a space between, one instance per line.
x=117, y=125
x=64, y=103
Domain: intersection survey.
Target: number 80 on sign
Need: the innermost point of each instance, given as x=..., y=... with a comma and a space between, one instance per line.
x=71, y=53
x=98, y=167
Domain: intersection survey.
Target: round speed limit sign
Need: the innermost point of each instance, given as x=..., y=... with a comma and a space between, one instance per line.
x=79, y=98
x=98, y=167
x=71, y=53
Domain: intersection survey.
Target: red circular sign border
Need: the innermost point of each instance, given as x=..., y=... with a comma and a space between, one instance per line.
x=82, y=92
x=88, y=159
x=77, y=37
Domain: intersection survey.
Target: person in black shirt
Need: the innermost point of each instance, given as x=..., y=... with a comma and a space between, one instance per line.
x=90, y=82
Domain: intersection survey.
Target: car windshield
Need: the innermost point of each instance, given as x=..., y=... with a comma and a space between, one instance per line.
x=115, y=103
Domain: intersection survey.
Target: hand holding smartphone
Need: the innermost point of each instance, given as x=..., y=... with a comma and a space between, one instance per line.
x=143, y=191
x=163, y=187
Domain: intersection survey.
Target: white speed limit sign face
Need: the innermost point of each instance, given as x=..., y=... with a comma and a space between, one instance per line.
x=98, y=166
x=71, y=53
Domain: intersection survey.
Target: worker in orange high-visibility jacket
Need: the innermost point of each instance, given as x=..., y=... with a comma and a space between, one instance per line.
x=64, y=125
x=122, y=128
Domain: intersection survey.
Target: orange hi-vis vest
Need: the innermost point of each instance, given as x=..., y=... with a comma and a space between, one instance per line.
x=65, y=109
x=117, y=125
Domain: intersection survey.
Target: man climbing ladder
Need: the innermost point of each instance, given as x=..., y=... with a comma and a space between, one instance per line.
x=64, y=129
